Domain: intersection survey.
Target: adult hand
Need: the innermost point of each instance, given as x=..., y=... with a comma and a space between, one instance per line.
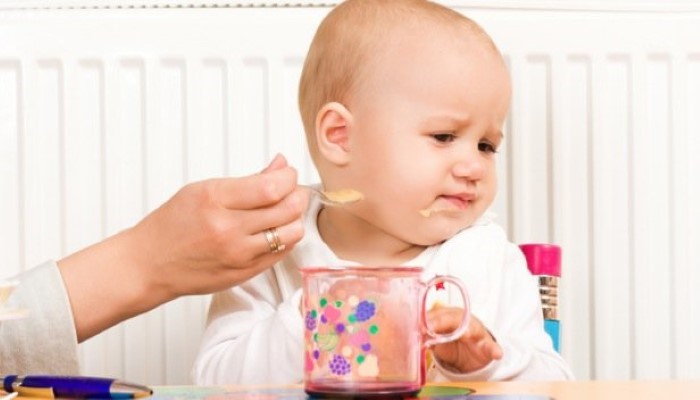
x=207, y=237
x=210, y=235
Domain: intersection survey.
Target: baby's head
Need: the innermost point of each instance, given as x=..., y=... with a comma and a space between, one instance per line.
x=404, y=100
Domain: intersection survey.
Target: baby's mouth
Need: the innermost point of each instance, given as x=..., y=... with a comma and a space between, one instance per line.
x=429, y=212
x=448, y=204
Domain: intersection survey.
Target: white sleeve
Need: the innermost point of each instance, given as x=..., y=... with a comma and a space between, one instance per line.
x=253, y=336
x=518, y=326
x=45, y=340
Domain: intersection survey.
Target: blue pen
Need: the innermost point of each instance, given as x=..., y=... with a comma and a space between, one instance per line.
x=52, y=386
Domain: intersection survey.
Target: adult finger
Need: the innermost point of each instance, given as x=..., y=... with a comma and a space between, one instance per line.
x=255, y=191
x=287, y=211
x=284, y=236
x=266, y=258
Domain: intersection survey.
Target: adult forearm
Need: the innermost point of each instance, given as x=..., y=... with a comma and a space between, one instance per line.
x=108, y=283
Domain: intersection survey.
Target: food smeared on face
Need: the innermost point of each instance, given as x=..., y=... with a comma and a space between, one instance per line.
x=429, y=212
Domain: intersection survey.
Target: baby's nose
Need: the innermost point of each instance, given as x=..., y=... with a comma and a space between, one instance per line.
x=470, y=167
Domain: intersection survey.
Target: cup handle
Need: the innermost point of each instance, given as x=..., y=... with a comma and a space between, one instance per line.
x=437, y=338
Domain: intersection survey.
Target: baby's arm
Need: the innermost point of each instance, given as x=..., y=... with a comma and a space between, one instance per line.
x=516, y=323
x=254, y=334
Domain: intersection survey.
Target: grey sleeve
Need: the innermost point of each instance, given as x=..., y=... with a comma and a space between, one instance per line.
x=45, y=340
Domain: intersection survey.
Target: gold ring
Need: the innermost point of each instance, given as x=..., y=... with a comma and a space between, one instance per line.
x=273, y=240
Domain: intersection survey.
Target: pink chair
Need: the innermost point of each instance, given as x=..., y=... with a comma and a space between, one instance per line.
x=544, y=261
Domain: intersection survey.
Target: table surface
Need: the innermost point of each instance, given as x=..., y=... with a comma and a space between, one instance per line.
x=569, y=390
x=572, y=390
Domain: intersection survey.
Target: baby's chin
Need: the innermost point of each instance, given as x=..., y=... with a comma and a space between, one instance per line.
x=438, y=233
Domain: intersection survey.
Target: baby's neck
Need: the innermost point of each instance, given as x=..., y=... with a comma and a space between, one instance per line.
x=354, y=239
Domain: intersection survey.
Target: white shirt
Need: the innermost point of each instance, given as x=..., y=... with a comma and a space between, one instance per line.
x=255, y=333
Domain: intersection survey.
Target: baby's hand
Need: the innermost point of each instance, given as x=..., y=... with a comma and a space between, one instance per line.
x=472, y=351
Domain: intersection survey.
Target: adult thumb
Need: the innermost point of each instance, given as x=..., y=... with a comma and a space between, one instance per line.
x=278, y=162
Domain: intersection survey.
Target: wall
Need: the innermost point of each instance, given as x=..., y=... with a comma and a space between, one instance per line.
x=106, y=111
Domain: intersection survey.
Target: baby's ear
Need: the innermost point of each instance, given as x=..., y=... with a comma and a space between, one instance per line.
x=333, y=122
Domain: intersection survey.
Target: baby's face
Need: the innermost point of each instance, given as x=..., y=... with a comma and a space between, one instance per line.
x=426, y=123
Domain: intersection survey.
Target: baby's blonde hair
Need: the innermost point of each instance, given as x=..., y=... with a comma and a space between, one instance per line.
x=350, y=38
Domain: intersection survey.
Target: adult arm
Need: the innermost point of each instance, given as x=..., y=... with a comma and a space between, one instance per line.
x=206, y=238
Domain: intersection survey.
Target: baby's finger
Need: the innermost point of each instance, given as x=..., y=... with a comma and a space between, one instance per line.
x=491, y=349
x=444, y=319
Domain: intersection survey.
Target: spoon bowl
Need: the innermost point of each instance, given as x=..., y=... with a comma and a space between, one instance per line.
x=336, y=198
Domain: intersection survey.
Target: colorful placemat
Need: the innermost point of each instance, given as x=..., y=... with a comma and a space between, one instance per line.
x=444, y=392
x=432, y=392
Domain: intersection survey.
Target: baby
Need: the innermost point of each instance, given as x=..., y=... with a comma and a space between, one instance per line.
x=404, y=101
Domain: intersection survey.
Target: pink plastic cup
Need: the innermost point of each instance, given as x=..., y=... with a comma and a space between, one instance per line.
x=364, y=330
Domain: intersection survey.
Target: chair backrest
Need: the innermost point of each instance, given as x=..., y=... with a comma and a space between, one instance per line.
x=544, y=261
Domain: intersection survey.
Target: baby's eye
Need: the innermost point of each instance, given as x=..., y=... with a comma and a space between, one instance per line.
x=444, y=137
x=487, y=147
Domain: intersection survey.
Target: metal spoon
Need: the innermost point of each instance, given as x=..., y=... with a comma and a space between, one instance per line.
x=336, y=198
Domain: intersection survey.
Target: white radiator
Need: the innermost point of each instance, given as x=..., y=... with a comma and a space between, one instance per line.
x=106, y=111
